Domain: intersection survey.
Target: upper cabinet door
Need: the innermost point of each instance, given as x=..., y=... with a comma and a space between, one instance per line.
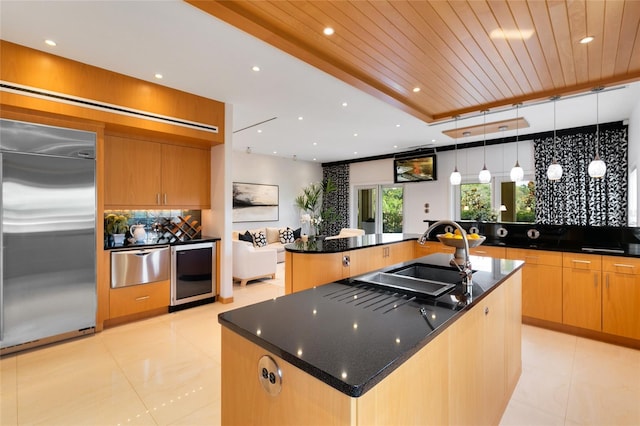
x=186, y=177
x=132, y=173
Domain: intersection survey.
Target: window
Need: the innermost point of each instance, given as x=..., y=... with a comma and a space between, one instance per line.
x=380, y=208
x=392, y=209
x=475, y=202
x=515, y=202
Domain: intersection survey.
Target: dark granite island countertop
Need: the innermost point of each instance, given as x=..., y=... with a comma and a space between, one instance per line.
x=351, y=336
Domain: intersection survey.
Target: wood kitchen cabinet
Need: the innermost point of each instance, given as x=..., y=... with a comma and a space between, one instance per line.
x=431, y=247
x=621, y=296
x=541, y=283
x=582, y=290
x=148, y=174
x=369, y=259
x=307, y=270
x=139, y=298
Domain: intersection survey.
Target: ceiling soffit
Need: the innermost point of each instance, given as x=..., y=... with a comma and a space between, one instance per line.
x=450, y=49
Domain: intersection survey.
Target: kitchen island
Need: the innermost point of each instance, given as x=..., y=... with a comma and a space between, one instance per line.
x=317, y=261
x=351, y=353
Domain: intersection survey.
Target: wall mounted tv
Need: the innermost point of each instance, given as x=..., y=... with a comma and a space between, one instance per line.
x=415, y=168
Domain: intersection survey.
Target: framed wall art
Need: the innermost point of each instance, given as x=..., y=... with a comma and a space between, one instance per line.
x=255, y=202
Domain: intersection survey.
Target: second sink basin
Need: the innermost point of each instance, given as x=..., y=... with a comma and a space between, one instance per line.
x=419, y=279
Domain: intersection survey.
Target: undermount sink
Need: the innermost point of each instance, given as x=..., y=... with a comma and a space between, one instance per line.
x=420, y=279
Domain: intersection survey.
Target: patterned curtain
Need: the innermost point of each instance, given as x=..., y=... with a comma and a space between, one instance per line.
x=339, y=199
x=577, y=198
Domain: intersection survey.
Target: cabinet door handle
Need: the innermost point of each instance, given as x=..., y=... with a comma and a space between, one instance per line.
x=486, y=310
x=585, y=262
x=480, y=252
x=622, y=265
x=165, y=198
x=158, y=198
x=346, y=260
x=141, y=298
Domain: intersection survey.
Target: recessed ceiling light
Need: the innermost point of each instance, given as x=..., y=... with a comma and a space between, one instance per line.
x=259, y=130
x=511, y=34
x=50, y=42
x=275, y=152
x=314, y=159
x=255, y=68
x=344, y=104
x=416, y=89
x=300, y=118
x=355, y=134
x=397, y=125
x=586, y=40
x=328, y=31
x=315, y=143
x=158, y=76
x=395, y=146
x=433, y=140
x=355, y=152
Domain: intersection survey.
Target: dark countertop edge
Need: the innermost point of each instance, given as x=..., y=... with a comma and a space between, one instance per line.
x=401, y=238
x=584, y=249
x=573, y=248
x=358, y=390
x=175, y=243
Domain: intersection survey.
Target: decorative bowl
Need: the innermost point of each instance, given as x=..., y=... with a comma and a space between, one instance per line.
x=459, y=242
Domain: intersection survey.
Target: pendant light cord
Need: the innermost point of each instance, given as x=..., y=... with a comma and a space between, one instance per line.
x=554, y=128
x=484, y=142
x=517, y=128
x=597, y=122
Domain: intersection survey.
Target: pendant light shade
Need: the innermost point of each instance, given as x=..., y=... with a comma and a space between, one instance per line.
x=597, y=168
x=456, y=177
x=517, y=173
x=485, y=175
x=554, y=172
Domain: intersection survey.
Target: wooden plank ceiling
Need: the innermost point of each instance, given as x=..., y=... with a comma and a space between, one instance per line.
x=465, y=56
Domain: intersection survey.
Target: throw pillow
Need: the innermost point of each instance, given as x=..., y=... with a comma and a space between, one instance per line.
x=286, y=236
x=273, y=235
x=297, y=233
x=259, y=239
x=246, y=237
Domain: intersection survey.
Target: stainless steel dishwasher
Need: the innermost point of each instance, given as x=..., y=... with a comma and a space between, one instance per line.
x=140, y=266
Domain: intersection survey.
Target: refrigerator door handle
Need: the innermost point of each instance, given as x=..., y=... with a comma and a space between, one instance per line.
x=1, y=253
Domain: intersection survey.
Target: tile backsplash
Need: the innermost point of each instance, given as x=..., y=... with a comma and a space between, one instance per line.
x=155, y=222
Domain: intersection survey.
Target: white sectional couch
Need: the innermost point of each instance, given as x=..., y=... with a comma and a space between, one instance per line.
x=273, y=239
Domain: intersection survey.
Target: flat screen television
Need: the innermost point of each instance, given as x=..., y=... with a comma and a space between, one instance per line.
x=416, y=168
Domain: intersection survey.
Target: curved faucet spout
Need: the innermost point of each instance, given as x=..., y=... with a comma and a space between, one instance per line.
x=466, y=270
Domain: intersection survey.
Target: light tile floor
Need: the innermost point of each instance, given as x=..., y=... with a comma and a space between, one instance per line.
x=166, y=371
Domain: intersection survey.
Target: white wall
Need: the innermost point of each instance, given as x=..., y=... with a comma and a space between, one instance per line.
x=634, y=146
x=290, y=176
x=440, y=194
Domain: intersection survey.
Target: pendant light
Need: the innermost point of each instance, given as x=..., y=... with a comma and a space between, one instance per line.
x=517, y=173
x=597, y=168
x=456, y=177
x=485, y=174
x=554, y=172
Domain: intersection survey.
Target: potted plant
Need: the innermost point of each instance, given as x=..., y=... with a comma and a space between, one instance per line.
x=116, y=226
x=310, y=203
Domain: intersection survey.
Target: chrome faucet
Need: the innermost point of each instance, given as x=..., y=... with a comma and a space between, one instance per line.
x=465, y=270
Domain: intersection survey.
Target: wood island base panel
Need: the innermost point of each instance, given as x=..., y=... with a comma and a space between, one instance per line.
x=344, y=353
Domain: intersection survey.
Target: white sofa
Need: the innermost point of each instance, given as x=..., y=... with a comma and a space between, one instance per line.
x=250, y=263
x=273, y=240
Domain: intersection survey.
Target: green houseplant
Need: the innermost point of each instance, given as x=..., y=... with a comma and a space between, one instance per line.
x=310, y=204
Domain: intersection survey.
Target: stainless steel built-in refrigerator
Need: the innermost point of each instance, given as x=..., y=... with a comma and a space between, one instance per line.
x=48, y=212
